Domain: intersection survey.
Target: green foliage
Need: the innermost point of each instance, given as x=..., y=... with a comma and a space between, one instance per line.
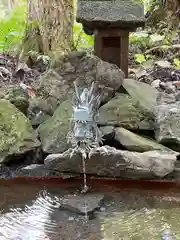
x=140, y=58
x=176, y=62
x=156, y=38
x=154, y=46
x=140, y=39
x=82, y=41
x=146, y=40
x=12, y=29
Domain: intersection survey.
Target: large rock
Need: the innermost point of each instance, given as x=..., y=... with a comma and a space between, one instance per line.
x=39, y=110
x=53, y=131
x=56, y=85
x=16, y=133
x=115, y=163
x=123, y=111
x=167, y=124
x=84, y=204
x=134, y=142
x=34, y=170
x=108, y=133
x=141, y=93
x=16, y=96
x=107, y=130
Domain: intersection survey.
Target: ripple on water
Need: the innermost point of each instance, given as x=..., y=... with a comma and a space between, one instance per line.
x=32, y=223
x=144, y=224
x=32, y=214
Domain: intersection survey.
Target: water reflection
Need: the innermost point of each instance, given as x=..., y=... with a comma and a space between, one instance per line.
x=143, y=224
x=32, y=222
x=30, y=213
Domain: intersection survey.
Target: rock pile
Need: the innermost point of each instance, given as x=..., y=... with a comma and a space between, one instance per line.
x=139, y=122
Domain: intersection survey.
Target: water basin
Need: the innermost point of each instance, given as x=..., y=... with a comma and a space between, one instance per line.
x=55, y=209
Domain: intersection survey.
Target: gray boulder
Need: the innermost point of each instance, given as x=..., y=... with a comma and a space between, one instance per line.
x=53, y=131
x=56, y=85
x=123, y=111
x=38, y=170
x=141, y=93
x=167, y=124
x=134, y=142
x=76, y=203
x=16, y=96
x=16, y=133
x=108, y=132
x=115, y=163
x=39, y=111
x=133, y=110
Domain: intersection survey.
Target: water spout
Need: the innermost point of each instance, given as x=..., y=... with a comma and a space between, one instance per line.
x=84, y=134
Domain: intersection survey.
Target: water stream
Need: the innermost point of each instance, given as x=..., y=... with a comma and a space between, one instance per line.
x=85, y=187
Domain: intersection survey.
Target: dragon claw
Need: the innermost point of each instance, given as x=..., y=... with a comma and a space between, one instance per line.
x=104, y=149
x=90, y=153
x=84, y=155
x=72, y=153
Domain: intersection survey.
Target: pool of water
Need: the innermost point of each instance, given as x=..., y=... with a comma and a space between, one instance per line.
x=33, y=211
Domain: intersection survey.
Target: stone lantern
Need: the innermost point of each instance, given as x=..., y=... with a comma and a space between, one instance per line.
x=111, y=21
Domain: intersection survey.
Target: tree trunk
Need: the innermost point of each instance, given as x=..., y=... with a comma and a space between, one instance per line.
x=173, y=5
x=50, y=27
x=164, y=10
x=8, y=5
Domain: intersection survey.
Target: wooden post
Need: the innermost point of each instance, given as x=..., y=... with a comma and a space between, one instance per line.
x=111, y=45
x=98, y=45
x=124, y=52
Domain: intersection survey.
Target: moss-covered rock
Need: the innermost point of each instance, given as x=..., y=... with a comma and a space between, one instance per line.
x=16, y=133
x=56, y=85
x=16, y=96
x=123, y=111
x=167, y=124
x=39, y=110
x=53, y=132
x=134, y=142
x=141, y=93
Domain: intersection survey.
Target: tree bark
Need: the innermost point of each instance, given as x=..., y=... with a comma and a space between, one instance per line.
x=173, y=5
x=164, y=10
x=8, y=5
x=50, y=27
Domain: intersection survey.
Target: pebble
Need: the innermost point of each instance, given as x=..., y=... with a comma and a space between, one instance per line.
x=156, y=83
